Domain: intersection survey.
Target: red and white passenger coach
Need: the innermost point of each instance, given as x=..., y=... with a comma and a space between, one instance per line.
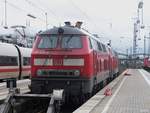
x=14, y=61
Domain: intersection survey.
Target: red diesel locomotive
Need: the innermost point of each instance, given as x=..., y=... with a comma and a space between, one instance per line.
x=72, y=59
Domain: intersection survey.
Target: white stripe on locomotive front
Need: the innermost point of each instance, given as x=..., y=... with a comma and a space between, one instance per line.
x=43, y=61
x=66, y=62
x=73, y=62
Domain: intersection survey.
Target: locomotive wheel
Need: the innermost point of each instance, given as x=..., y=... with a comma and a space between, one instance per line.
x=85, y=97
x=80, y=99
x=88, y=96
x=104, y=83
x=75, y=100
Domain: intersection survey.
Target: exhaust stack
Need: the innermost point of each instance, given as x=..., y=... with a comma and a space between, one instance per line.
x=67, y=23
x=78, y=24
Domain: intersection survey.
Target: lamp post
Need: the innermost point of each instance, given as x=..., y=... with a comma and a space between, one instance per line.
x=138, y=24
x=31, y=16
x=140, y=7
x=46, y=20
x=34, y=17
x=5, y=13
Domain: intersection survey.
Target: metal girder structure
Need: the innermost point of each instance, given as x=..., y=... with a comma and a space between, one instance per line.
x=55, y=99
x=144, y=54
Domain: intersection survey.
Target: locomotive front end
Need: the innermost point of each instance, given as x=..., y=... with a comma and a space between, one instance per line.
x=60, y=60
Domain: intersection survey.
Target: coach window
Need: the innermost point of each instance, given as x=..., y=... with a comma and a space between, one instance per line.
x=104, y=48
x=99, y=46
x=107, y=50
x=8, y=61
x=26, y=61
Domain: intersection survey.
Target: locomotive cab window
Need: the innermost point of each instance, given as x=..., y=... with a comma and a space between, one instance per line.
x=48, y=42
x=71, y=42
x=64, y=41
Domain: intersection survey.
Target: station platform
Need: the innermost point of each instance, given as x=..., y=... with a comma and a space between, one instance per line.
x=130, y=94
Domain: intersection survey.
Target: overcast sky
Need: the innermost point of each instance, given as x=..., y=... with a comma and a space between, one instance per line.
x=111, y=19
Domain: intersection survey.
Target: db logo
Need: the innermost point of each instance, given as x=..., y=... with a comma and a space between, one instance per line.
x=57, y=62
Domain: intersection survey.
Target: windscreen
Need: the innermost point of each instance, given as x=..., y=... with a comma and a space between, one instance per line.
x=71, y=42
x=64, y=41
x=48, y=42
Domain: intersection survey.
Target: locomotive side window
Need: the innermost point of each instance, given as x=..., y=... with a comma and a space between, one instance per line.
x=8, y=61
x=107, y=49
x=48, y=42
x=91, y=47
x=94, y=44
x=99, y=46
x=71, y=42
x=105, y=65
x=26, y=61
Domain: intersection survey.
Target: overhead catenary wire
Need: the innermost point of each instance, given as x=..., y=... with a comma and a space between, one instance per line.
x=49, y=10
x=84, y=14
x=34, y=5
x=22, y=10
x=16, y=7
x=42, y=9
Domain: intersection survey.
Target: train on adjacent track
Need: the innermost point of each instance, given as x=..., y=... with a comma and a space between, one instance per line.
x=146, y=64
x=14, y=61
x=72, y=59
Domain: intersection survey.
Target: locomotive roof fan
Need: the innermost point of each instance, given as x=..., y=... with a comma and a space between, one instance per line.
x=78, y=24
x=67, y=23
x=60, y=30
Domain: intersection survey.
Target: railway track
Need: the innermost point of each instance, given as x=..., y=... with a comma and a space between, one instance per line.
x=37, y=103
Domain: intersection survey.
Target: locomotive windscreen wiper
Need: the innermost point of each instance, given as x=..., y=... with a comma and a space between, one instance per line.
x=44, y=63
x=68, y=40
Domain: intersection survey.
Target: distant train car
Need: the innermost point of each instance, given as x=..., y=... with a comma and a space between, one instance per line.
x=113, y=63
x=146, y=63
x=14, y=61
x=116, y=64
x=69, y=58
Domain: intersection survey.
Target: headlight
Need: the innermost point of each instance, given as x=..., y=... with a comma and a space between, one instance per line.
x=39, y=72
x=73, y=62
x=77, y=73
x=43, y=61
